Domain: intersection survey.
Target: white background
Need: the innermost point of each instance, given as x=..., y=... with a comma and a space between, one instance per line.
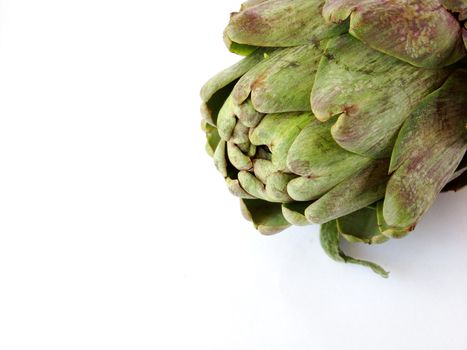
x=116, y=232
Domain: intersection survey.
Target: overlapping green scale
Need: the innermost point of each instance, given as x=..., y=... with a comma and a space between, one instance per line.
x=280, y=23
x=420, y=32
x=349, y=114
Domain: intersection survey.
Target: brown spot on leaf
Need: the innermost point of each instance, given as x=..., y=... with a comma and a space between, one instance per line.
x=300, y=167
x=259, y=81
x=293, y=65
x=252, y=22
x=350, y=109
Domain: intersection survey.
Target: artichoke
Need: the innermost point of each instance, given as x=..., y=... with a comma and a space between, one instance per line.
x=351, y=114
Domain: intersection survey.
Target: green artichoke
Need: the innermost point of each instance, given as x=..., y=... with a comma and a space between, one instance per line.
x=347, y=113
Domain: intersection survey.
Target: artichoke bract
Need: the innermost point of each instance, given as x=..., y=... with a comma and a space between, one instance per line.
x=351, y=114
